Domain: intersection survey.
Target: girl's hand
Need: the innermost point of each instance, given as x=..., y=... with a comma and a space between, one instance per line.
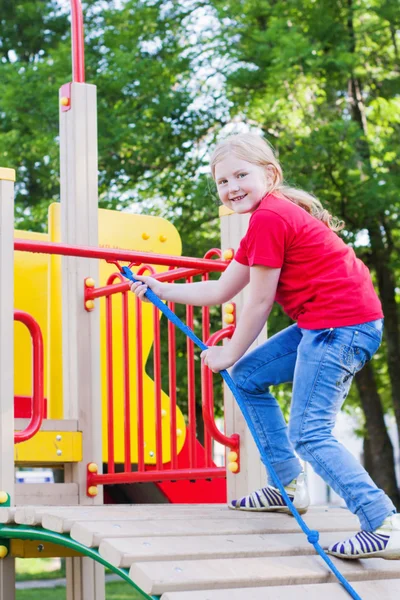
x=139, y=288
x=218, y=358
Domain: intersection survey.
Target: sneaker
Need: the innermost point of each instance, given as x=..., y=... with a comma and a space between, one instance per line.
x=270, y=499
x=384, y=542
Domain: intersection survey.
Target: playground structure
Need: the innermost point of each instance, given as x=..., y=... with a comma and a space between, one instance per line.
x=101, y=407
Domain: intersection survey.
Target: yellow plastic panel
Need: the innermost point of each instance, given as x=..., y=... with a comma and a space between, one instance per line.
x=7, y=174
x=30, y=295
x=45, y=448
x=38, y=549
x=132, y=232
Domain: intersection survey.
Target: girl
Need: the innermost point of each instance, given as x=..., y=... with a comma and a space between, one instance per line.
x=292, y=255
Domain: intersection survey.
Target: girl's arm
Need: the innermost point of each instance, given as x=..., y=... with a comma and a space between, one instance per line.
x=263, y=284
x=204, y=293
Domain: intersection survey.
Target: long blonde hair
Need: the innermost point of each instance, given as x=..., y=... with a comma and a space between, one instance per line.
x=256, y=150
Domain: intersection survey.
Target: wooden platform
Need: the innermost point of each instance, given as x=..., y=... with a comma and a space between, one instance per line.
x=208, y=552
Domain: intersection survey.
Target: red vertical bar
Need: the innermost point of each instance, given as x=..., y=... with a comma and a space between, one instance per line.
x=139, y=383
x=157, y=387
x=78, y=45
x=110, y=386
x=206, y=335
x=191, y=387
x=127, y=395
x=172, y=387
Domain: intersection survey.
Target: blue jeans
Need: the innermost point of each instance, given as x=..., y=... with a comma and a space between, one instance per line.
x=321, y=364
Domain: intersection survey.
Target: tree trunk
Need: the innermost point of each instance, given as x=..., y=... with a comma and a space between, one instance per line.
x=378, y=449
x=387, y=293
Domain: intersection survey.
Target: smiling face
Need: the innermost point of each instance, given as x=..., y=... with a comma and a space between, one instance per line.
x=241, y=185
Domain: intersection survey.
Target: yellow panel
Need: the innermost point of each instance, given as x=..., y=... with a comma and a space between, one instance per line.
x=141, y=233
x=39, y=549
x=45, y=448
x=7, y=174
x=224, y=211
x=30, y=295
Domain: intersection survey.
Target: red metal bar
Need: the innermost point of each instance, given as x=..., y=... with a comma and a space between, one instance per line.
x=78, y=44
x=208, y=408
x=110, y=386
x=175, y=475
x=139, y=385
x=127, y=393
x=191, y=386
x=139, y=375
x=157, y=387
x=205, y=335
x=123, y=255
x=213, y=252
x=172, y=388
x=168, y=276
x=37, y=371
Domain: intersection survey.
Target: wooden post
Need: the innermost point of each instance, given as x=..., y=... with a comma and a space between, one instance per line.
x=252, y=472
x=7, y=178
x=80, y=329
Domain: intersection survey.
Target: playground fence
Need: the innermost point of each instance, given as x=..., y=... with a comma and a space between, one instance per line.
x=192, y=461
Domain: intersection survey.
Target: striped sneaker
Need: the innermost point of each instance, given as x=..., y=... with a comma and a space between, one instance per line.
x=384, y=542
x=270, y=499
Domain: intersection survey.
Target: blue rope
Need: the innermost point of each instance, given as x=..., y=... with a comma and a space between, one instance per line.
x=312, y=535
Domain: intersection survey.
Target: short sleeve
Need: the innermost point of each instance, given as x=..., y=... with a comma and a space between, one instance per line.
x=241, y=253
x=266, y=240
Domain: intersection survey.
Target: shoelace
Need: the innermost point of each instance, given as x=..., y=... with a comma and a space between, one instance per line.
x=312, y=535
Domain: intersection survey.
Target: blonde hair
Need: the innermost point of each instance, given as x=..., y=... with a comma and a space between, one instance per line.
x=256, y=150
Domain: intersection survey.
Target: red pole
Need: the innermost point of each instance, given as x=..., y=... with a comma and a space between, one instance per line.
x=206, y=335
x=110, y=386
x=125, y=255
x=127, y=395
x=139, y=389
x=78, y=44
x=172, y=387
x=191, y=386
x=157, y=387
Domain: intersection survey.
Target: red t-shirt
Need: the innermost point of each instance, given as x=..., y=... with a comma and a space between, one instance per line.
x=322, y=282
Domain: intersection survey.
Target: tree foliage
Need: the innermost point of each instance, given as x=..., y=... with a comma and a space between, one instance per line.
x=319, y=78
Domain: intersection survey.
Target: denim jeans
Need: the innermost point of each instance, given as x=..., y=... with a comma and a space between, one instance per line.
x=321, y=364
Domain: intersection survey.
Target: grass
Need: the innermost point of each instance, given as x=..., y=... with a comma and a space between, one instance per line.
x=28, y=569
x=114, y=591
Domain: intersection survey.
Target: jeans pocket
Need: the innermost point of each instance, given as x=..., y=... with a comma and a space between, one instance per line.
x=366, y=341
x=374, y=328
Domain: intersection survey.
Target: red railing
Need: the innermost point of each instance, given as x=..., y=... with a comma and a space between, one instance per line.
x=78, y=45
x=195, y=462
x=38, y=404
x=194, y=467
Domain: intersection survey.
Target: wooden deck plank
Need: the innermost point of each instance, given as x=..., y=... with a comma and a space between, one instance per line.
x=92, y=533
x=160, y=511
x=187, y=575
x=123, y=552
x=61, y=517
x=7, y=514
x=367, y=590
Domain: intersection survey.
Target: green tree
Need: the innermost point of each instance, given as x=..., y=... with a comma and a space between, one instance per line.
x=320, y=79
